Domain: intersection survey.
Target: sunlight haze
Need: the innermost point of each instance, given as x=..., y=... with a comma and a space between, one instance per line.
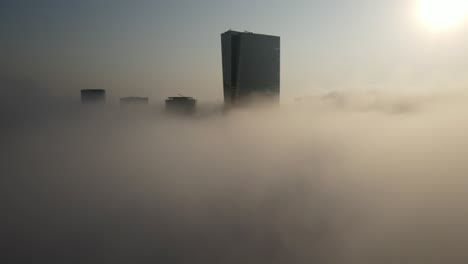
x=161, y=48
x=443, y=14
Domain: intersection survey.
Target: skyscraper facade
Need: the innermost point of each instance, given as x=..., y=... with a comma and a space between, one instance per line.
x=251, y=67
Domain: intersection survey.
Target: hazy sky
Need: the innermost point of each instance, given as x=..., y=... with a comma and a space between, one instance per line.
x=161, y=48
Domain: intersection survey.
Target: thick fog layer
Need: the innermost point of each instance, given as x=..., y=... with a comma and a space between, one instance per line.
x=339, y=178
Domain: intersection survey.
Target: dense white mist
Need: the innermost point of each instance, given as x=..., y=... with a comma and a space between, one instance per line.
x=340, y=178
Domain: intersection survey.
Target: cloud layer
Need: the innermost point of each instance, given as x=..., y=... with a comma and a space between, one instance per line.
x=340, y=178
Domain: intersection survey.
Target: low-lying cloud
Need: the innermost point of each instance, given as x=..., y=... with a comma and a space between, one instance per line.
x=339, y=178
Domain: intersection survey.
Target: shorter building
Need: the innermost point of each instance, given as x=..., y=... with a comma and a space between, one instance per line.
x=181, y=105
x=134, y=102
x=93, y=96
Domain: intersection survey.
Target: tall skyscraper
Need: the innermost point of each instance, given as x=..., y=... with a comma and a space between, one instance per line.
x=251, y=67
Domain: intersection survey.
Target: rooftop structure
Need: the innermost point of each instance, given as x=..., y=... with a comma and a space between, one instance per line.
x=181, y=105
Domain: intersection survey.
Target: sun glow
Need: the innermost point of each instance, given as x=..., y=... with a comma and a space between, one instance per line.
x=443, y=14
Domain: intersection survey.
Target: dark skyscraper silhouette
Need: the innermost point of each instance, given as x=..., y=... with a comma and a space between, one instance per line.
x=251, y=67
x=93, y=96
x=181, y=105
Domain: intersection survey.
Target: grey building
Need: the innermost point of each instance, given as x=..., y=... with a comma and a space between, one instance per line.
x=251, y=67
x=93, y=96
x=181, y=105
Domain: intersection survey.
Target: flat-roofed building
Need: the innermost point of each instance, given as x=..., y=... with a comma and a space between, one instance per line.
x=181, y=105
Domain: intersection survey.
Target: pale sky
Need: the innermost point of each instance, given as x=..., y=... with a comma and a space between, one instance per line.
x=165, y=47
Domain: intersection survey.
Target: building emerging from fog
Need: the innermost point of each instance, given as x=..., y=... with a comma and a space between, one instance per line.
x=93, y=96
x=181, y=105
x=251, y=67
